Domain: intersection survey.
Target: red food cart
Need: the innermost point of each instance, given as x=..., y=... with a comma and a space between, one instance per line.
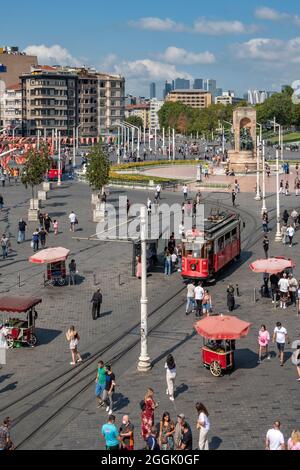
x=20, y=331
x=55, y=258
x=219, y=333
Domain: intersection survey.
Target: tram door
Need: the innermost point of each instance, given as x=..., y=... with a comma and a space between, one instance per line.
x=210, y=256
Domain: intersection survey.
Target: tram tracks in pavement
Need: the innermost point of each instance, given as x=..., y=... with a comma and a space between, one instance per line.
x=43, y=408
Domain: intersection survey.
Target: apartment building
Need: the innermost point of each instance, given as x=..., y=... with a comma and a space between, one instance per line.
x=193, y=98
x=13, y=63
x=140, y=110
x=11, y=107
x=155, y=106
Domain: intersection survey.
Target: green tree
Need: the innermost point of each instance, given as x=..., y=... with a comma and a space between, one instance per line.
x=135, y=121
x=98, y=166
x=37, y=164
x=280, y=106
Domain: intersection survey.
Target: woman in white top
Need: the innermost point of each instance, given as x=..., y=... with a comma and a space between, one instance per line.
x=170, y=375
x=203, y=425
x=73, y=338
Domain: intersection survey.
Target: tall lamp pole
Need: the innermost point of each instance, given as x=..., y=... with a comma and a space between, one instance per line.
x=59, y=159
x=278, y=228
x=173, y=144
x=258, y=151
x=169, y=144
x=264, y=207
x=144, y=363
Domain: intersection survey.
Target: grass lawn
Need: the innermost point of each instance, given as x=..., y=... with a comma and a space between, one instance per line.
x=287, y=138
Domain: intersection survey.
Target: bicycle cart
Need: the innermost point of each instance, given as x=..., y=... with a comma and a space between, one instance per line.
x=219, y=333
x=55, y=259
x=19, y=331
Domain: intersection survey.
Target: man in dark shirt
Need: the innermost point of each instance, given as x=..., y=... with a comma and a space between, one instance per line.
x=109, y=389
x=72, y=271
x=22, y=229
x=274, y=286
x=233, y=196
x=126, y=433
x=42, y=235
x=187, y=438
x=97, y=301
x=151, y=440
x=266, y=245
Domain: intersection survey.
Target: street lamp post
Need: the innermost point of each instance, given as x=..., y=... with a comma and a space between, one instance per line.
x=169, y=143
x=118, y=147
x=74, y=147
x=280, y=136
x=258, y=152
x=155, y=141
x=144, y=363
x=59, y=159
x=174, y=154
x=278, y=228
x=163, y=143
x=264, y=207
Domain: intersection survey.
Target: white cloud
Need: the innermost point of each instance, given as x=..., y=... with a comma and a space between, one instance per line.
x=148, y=69
x=270, y=50
x=157, y=24
x=200, y=26
x=216, y=28
x=176, y=55
x=52, y=55
x=270, y=14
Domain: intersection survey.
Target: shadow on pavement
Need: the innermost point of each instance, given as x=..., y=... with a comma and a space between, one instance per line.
x=245, y=359
x=120, y=401
x=171, y=350
x=46, y=336
x=9, y=387
x=180, y=389
x=215, y=443
x=5, y=377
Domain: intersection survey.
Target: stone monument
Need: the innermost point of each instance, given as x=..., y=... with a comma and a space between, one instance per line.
x=244, y=156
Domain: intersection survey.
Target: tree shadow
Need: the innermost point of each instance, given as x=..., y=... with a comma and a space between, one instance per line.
x=9, y=387
x=215, y=443
x=46, y=336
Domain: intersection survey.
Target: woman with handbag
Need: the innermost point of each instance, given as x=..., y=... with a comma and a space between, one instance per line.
x=203, y=425
x=73, y=338
x=166, y=432
x=170, y=366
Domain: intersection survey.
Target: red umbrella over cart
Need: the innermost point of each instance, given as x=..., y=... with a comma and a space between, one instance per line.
x=55, y=259
x=272, y=265
x=219, y=333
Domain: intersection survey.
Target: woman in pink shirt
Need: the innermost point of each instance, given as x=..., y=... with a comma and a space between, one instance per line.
x=55, y=227
x=294, y=440
x=263, y=341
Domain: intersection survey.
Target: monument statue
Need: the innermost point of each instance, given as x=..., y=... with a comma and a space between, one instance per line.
x=245, y=148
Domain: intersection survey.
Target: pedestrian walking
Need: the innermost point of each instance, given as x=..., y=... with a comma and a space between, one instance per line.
x=297, y=187
x=149, y=206
x=263, y=343
x=283, y=232
x=55, y=227
x=203, y=425
x=147, y=415
x=5, y=245
x=199, y=294
x=1, y=202
x=3, y=178
x=158, y=191
x=47, y=223
x=266, y=245
x=5, y=439
x=179, y=431
x=287, y=188
x=265, y=222
x=174, y=260
x=294, y=440
x=170, y=367
x=43, y=235
x=35, y=240
x=73, y=221
x=72, y=272
x=281, y=187
x=185, y=192
x=233, y=197
x=230, y=298
x=97, y=301
x=100, y=383
x=294, y=216
x=275, y=438
x=111, y=434
x=22, y=229
x=73, y=338
x=296, y=360
x=109, y=390
x=293, y=288
x=274, y=279
x=290, y=232
x=207, y=302
x=283, y=285
x=126, y=433
x=168, y=263
x=190, y=297
x=166, y=432
x=280, y=336
x=285, y=216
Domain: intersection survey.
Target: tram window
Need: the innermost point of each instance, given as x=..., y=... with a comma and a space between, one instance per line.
x=227, y=238
x=234, y=234
x=221, y=244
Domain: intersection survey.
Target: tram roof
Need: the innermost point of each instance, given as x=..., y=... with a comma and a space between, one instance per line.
x=214, y=223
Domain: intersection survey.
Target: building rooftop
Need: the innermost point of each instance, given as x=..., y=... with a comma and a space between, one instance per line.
x=191, y=90
x=16, y=86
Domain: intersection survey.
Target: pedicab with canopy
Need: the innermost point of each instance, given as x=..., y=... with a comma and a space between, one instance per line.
x=55, y=259
x=19, y=331
x=219, y=333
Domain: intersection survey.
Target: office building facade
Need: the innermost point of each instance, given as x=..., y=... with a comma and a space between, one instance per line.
x=152, y=90
x=193, y=98
x=167, y=89
x=198, y=84
x=181, y=84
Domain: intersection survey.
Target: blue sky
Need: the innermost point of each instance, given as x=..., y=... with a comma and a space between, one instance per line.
x=242, y=45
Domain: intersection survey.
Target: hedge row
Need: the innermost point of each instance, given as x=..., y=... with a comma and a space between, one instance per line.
x=126, y=166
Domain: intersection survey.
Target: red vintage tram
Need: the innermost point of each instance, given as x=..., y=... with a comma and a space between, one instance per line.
x=205, y=254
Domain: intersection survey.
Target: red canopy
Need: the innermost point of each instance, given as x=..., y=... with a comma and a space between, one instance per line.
x=272, y=265
x=18, y=304
x=50, y=255
x=222, y=327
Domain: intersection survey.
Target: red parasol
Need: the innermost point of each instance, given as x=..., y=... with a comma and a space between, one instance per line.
x=50, y=255
x=271, y=265
x=222, y=327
